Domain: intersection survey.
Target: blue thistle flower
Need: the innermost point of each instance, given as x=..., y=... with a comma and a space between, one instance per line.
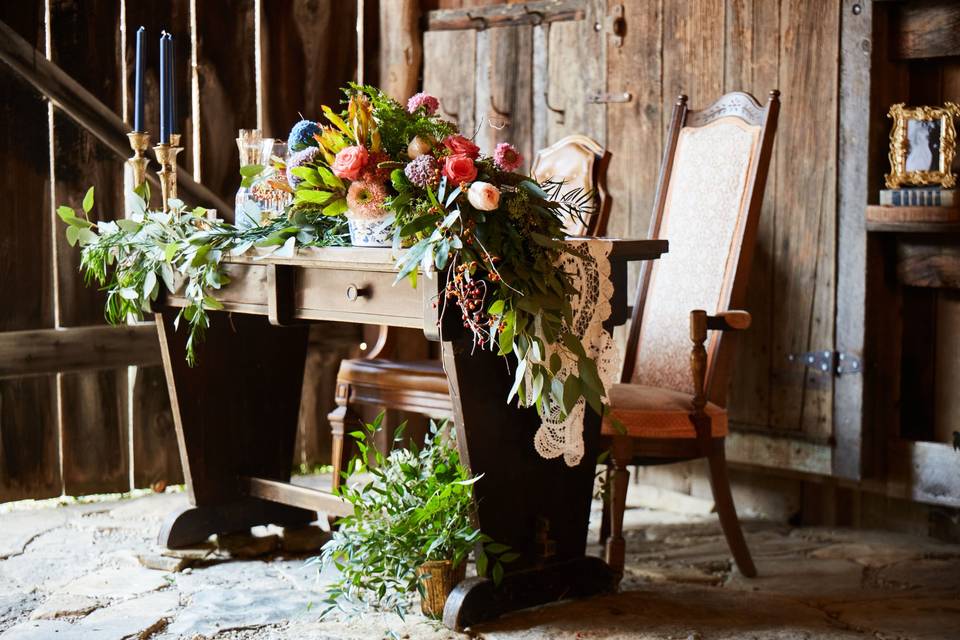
x=301, y=136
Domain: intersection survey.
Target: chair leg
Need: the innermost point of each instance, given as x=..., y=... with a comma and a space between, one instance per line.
x=605, y=510
x=616, y=545
x=720, y=483
x=341, y=418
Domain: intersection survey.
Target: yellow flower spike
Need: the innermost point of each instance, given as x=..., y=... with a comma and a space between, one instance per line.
x=337, y=121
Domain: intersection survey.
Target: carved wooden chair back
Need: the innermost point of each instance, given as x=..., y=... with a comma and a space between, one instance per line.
x=581, y=163
x=707, y=205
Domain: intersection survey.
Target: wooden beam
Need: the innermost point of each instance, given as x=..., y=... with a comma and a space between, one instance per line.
x=779, y=451
x=927, y=30
x=88, y=112
x=295, y=496
x=47, y=351
x=505, y=15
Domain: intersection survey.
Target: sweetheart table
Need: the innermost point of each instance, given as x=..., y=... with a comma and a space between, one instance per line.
x=236, y=417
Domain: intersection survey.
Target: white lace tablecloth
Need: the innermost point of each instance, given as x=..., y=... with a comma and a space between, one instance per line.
x=588, y=265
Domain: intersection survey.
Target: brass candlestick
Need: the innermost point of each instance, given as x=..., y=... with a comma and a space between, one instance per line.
x=167, y=157
x=139, y=142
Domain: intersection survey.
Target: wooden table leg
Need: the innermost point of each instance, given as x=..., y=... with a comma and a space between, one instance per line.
x=541, y=508
x=235, y=414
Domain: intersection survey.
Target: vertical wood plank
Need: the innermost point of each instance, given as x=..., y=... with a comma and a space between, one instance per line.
x=504, y=93
x=947, y=362
x=156, y=459
x=752, y=54
x=93, y=405
x=401, y=48
x=856, y=33
x=633, y=128
x=805, y=269
x=693, y=41
x=309, y=52
x=226, y=76
x=451, y=79
x=576, y=67
x=29, y=451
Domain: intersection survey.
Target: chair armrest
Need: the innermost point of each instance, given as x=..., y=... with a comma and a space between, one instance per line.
x=729, y=321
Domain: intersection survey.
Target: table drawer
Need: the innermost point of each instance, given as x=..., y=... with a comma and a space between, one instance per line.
x=359, y=296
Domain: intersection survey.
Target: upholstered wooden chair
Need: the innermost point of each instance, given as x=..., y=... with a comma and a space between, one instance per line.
x=669, y=406
x=421, y=387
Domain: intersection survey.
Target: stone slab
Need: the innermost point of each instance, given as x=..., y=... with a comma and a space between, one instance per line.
x=64, y=605
x=19, y=528
x=215, y=610
x=116, y=582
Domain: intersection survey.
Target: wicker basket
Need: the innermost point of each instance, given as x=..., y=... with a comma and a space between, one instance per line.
x=438, y=578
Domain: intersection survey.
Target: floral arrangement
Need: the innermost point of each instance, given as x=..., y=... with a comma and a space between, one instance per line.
x=490, y=233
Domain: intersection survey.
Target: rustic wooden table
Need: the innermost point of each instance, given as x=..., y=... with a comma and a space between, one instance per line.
x=236, y=414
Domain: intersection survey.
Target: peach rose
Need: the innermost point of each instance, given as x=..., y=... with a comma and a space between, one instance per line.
x=483, y=196
x=418, y=147
x=349, y=162
x=459, y=168
x=458, y=145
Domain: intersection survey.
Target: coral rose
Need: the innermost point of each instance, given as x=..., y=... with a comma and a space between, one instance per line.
x=349, y=162
x=459, y=168
x=483, y=196
x=458, y=145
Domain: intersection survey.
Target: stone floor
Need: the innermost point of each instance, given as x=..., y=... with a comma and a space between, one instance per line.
x=77, y=572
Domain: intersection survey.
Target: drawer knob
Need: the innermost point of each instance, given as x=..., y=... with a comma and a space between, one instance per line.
x=354, y=292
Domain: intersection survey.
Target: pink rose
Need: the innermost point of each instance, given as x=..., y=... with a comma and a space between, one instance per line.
x=458, y=145
x=459, y=168
x=350, y=162
x=483, y=196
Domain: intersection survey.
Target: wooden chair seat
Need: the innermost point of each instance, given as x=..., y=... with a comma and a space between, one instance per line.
x=425, y=375
x=654, y=412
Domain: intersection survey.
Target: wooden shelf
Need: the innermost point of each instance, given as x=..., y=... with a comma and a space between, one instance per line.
x=913, y=219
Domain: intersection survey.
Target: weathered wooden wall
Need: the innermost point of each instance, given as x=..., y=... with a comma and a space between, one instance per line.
x=537, y=79
x=110, y=430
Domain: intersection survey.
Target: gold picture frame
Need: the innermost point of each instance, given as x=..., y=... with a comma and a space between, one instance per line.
x=929, y=163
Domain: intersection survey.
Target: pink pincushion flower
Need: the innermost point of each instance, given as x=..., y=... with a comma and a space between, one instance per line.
x=365, y=198
x=424, y=100
x=506, y=157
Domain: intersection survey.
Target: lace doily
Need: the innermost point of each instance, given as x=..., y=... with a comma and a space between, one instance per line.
x=588, y=266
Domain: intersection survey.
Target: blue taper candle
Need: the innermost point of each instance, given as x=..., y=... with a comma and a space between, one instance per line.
x=172, y=83
x=138, y=84
x=164, y=93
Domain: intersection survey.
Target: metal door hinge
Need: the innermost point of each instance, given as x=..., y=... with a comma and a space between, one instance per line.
x=614, y=25
x=832, y=362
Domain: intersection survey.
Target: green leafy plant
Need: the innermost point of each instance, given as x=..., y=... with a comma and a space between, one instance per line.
x=415, y=506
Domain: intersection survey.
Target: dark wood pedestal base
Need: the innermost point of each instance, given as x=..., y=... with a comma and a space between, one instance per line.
x=192, y=525
x=476, y=600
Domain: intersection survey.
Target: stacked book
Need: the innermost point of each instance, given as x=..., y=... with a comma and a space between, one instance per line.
x=917, y=197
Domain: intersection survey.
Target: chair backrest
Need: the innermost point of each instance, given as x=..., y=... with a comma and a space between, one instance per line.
x=707, y=205
x=581, y=163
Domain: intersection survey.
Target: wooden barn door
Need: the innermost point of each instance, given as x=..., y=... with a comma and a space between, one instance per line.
x=612, y=70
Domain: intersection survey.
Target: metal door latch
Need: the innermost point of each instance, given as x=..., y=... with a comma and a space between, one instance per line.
x=598, y=97
x=830, y=362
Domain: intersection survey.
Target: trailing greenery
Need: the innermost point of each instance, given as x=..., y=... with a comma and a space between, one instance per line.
x=415, y=507
x=129, y=258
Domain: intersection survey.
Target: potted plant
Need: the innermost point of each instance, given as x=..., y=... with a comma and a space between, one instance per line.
x=412, y=529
